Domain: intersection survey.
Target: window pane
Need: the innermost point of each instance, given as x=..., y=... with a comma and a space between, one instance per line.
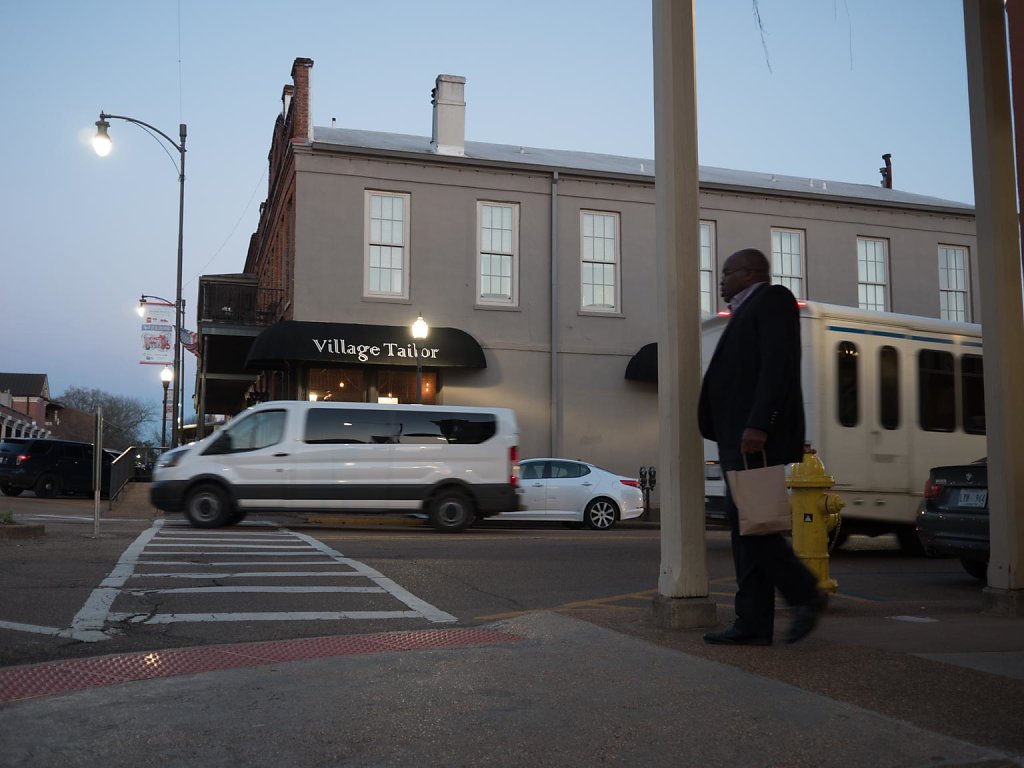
x=936, y=391
x=972, y=385
x=846, y=379
x=888, y=388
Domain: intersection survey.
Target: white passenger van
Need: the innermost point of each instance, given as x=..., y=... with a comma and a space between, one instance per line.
x=887, y=397
x=452, y=463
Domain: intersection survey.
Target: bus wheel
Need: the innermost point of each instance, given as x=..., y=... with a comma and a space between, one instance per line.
x=451, y=511
x=207, y=506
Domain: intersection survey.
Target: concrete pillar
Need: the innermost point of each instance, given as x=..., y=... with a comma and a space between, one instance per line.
x=1002, y=303
x=682, y=599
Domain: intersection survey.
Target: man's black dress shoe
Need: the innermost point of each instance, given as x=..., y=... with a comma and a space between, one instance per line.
x=805, y=617
x=733, y=636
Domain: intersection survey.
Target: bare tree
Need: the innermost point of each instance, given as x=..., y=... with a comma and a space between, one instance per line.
x=123, y=417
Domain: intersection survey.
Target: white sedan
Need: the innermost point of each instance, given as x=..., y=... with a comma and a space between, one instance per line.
x=575, y=491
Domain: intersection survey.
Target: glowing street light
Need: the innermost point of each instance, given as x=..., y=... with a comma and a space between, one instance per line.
x=420, y=329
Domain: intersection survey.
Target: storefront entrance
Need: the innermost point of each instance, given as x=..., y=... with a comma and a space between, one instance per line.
x=370, y=385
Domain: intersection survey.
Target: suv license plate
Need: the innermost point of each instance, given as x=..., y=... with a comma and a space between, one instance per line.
x=973, y=498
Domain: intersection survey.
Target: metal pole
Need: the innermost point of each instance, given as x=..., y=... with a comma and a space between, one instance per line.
x=179, y=378
x=163, y=422
x=419, y=378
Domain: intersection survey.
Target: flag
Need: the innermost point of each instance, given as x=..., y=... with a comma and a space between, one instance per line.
x=190, y=341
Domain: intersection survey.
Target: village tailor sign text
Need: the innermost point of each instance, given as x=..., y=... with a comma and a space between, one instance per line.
x=378, y=352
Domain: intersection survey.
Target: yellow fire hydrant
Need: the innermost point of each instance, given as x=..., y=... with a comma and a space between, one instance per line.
x=815, y=515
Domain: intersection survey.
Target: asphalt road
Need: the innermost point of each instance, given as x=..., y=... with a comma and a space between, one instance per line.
x=145, y=583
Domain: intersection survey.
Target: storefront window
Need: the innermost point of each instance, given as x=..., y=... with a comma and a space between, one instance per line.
x=357, y=385
x=401, y=385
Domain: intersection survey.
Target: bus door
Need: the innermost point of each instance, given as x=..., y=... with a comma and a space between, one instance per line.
x=871, y=449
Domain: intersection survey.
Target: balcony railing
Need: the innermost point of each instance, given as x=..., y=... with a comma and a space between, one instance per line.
x=237, y=301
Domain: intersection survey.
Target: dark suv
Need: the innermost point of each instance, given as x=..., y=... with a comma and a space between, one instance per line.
x=48, y=467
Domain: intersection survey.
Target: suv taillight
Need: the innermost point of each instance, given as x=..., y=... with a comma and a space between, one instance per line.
x=513, y=457
x=931, y=490
x=22, y=458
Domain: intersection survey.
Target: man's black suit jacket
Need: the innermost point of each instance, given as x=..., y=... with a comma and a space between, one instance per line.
x=753, y=380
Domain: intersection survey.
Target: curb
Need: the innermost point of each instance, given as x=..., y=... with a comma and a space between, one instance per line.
x=14, y=531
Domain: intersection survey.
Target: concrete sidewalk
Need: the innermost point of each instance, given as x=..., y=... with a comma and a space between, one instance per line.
x=553, y=691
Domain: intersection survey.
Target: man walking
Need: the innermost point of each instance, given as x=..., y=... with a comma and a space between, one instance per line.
x=751, y=402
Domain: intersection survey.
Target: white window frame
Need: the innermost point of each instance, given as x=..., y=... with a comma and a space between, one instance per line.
x=873, y=274
x=588, y=261
x=708, y=300
x=386, y=240
x=507, y=252
x=789, y=267
x=954, y=283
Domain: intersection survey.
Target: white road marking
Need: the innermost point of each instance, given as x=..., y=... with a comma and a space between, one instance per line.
x=90, y=622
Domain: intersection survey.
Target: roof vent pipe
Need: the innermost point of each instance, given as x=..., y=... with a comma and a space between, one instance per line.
x=886, y=171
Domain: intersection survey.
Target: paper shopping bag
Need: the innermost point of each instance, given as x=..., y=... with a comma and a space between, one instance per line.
x=761, y=498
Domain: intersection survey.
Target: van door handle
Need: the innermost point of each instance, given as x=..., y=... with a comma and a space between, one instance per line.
x=278, y=455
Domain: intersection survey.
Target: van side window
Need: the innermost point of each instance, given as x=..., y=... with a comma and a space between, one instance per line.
x=343, y=426
x=255, y=431
x=445, y=427
x=972, y=388
x=889, y=388
x=936, y=391
x=847, y=393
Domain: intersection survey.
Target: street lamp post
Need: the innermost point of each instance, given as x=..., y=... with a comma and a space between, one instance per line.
x=179, y=379
x=166, y=376
x=420, y=329
x=102, y=144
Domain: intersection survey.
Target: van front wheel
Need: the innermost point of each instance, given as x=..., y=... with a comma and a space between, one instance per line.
x=208, y=506
x=451, y=511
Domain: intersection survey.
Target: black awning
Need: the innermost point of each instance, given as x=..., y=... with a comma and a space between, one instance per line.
x=643, y=366
x=355, y=344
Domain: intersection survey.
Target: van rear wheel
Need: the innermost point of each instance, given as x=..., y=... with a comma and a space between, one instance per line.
x=451, y=511
x=208, y=506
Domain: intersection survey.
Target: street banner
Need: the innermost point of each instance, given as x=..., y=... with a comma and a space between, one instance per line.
x=157, y=334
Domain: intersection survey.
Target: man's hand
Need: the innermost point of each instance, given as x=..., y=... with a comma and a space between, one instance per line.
x=753, y=440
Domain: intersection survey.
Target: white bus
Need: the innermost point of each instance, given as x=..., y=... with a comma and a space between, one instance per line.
x=886, y=398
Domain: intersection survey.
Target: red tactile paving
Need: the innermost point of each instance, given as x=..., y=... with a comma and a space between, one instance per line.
x=26, y=682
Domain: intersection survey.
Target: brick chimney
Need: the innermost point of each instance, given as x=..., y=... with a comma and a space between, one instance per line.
x=449, y=129
x=301, y=102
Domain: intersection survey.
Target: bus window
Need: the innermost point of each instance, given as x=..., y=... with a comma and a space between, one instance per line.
x=846, y=379
x=936, y=391
x=972, y=389
x=888, y=388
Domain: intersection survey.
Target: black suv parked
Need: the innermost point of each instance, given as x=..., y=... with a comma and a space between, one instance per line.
x=49, y=467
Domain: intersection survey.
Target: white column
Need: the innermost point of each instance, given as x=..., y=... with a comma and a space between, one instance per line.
x=682, y=599
x=1002, y=307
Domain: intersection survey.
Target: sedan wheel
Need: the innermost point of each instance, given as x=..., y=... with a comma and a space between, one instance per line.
x=601, y=514
x=976, y=568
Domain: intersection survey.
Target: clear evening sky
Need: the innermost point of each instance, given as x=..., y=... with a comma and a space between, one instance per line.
x=832, y=86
